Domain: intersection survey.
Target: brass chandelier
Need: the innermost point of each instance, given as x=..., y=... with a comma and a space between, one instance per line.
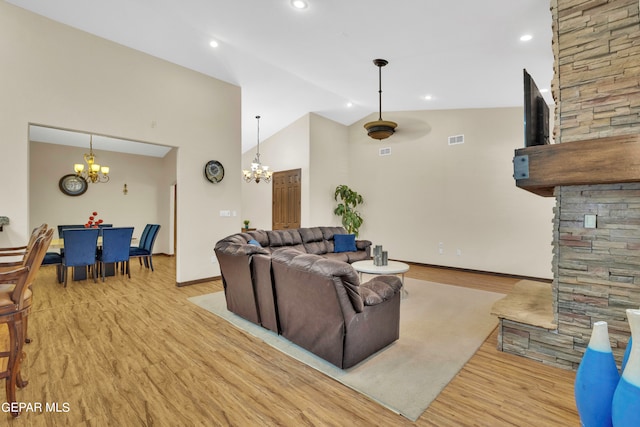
x=258, y=171
x=380, y=129
x=94, y=172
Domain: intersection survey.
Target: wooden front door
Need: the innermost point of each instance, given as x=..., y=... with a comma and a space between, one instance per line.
x=286, y=199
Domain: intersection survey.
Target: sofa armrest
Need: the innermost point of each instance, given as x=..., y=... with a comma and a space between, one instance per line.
x=380, y=289
x=239, y=249
x=363, y=244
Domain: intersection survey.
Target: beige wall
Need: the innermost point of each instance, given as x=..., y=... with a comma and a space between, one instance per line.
x=426, y=191
x=58, y=76
x=463, y=196
x=148, y=181
x=329, y=167
x=288, y=149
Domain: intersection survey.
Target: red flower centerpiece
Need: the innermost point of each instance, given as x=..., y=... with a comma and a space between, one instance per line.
x=93, y=222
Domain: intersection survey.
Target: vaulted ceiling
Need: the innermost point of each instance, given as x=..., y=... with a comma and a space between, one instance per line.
x=288, y=61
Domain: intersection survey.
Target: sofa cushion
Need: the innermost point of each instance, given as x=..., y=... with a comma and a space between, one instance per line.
x=340, y=272
x=285, y=238
x=328, y=233
x=311, y=234
x=344, y=242
x=337, y=256
x=260, y=236
x=313, y=240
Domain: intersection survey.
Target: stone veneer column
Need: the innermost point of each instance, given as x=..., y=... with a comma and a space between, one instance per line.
x=596, y=86
x=596, y=46
x=598, y=269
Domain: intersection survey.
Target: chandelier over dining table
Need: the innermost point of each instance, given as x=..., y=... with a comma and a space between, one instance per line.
x=94, y=173
x=258, y=172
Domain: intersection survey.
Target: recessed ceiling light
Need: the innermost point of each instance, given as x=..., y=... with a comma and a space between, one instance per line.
x=526, y=38
x=299, y=4
x=349, y=104
x=428, y=97
x=213, y=43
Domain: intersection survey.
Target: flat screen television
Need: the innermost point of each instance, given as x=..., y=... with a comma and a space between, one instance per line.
x=536, y=114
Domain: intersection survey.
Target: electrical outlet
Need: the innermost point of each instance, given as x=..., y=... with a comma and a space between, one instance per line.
x=459, y=252
x=214, y=260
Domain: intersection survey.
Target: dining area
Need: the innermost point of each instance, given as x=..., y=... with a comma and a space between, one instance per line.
x=99, y=251
x=82, y=252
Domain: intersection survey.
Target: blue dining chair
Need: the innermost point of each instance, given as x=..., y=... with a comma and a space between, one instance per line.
x=103, y=226
x=115, y=247
x=54, y=258
x=144, y=250
x=61, y=229
x=80, y=247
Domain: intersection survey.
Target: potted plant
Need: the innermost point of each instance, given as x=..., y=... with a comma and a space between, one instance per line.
x=246, y=224
x=349, y=200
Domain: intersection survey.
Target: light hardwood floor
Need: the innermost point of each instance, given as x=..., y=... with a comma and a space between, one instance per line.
x=137, y=353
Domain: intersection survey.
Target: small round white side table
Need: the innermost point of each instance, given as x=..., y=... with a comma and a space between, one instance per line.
x=392, y=267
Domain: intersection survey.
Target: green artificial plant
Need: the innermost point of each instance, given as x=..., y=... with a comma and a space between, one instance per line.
x=349, y=200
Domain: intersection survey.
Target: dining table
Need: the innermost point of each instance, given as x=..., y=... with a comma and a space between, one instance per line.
x=59, y=243
x=81, y=272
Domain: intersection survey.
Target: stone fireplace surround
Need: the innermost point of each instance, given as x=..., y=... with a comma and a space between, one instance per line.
x=593, y=169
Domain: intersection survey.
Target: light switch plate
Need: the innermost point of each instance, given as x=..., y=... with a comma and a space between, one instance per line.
x=590, y=221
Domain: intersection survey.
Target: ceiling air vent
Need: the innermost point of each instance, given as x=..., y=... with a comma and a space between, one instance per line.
x=384, y=151
x=456, y=139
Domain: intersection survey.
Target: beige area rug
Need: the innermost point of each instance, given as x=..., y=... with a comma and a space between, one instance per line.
x=441, y=327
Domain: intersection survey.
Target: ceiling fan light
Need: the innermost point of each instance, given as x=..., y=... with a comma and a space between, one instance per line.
x=380, y=129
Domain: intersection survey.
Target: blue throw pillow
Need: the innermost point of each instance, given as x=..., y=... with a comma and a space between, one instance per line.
x=254, y=242
x=344, y=242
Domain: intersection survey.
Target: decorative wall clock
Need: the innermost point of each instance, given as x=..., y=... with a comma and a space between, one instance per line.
x=72, y=185
x=214, y=171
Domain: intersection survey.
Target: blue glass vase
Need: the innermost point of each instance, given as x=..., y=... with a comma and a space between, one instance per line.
x=625, y=408
x=596, y=380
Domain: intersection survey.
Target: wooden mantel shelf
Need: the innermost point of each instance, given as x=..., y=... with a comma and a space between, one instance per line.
x=608, y=160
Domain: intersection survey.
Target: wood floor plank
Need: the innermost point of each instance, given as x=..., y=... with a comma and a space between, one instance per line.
x=136, y=352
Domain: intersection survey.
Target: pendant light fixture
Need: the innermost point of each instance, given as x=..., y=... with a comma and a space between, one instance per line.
x=258, y=172
x=94, y=172
x=380, y=129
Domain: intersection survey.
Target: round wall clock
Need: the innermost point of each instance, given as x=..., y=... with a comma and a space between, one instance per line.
x=72, y=185
x=214, y=171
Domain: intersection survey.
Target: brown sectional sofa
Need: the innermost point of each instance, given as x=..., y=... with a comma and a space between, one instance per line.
x=323, y=308
x=292, y=282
